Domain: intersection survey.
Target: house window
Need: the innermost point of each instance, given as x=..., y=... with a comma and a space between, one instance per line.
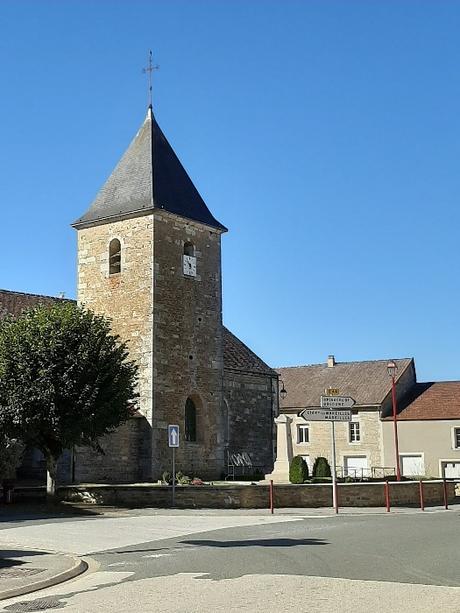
x=457, y=438
x=114, y=257
x=354, y=432
x=303, y=435
x=190, y=421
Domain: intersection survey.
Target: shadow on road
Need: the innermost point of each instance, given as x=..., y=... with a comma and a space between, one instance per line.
x=20, y=512
x=9, y=563
x=16, y=557
x=281, y=542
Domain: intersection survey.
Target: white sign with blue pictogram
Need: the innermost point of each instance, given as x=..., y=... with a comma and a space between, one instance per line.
x=173, y=436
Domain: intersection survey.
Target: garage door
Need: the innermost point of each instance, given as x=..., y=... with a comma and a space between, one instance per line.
x=451, y=470
x=309, y=463
x=356, y=466
x=412, y=465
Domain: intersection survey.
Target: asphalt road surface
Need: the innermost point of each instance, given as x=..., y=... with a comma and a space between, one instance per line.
x=364, y=563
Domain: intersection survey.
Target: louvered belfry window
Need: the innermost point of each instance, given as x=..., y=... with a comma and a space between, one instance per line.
x=114, y=256
x=189, y=249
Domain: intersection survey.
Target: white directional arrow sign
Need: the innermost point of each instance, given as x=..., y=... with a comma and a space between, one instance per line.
x=325, y=415
x=337, y=402
x=173, y=436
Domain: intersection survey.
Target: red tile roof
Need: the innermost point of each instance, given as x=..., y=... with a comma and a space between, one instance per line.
x=13, y=303
x=367, y=382
x=440, y=400
x=238, y=356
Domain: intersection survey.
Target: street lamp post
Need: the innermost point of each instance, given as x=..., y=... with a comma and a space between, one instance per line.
x=392, y=368
x=282, y=393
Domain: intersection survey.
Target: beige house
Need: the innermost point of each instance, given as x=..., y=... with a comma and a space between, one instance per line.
x=428, y=421
x=428, y=431
x=359, y=444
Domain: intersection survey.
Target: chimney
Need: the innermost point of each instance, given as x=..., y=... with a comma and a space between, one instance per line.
x=330, y=361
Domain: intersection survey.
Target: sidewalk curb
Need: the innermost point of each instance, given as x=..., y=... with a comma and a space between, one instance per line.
x=79, y=567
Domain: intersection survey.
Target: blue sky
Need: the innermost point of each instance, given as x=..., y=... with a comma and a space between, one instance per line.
x=325, y=135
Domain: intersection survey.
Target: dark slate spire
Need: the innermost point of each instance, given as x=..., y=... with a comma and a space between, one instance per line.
x=148, y=176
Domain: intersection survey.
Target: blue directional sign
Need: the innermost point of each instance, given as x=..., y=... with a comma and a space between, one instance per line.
x=173, y=436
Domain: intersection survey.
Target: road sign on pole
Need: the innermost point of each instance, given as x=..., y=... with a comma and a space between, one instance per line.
x=318, y=414
x=173, y=442
x=331, y=409
x=335, y=503
x=173, y=436
x=336, y=402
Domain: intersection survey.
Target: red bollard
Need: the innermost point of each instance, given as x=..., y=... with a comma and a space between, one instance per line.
x=422, y=500
x=270, y=489
x=444, y=489
x=387, y=495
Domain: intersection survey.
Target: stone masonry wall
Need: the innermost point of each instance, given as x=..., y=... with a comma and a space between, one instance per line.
x=127, y=299
x=249, y=403
x=257, y=496
x=188, y=358
x=125, y=453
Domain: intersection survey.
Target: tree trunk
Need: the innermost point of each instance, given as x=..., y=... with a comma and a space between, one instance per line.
x=51, y=469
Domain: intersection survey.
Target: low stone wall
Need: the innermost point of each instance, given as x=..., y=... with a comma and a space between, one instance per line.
x=257, y=496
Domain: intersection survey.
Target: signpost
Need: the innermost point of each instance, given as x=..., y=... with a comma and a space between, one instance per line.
x=336, y=402
x=325, y=415
x=173, y=442
x=332, y=408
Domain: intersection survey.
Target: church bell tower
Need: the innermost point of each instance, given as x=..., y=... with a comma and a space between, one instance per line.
x=149, y=257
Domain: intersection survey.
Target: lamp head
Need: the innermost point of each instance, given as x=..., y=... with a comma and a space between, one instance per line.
x=283, y=392
x=392, y=368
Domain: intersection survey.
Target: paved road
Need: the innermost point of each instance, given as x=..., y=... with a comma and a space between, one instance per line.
x=254, y=563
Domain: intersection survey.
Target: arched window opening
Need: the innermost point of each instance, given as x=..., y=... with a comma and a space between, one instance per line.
x=189, y=249
x=190, y=420
x=114, y=257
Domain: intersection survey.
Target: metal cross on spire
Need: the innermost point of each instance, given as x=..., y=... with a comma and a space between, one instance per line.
x=149, y=70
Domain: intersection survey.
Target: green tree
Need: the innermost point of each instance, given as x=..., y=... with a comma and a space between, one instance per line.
x=64, y=380
x=321, y=467
x=298, y=470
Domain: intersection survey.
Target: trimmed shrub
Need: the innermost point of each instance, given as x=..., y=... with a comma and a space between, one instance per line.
x=298, y=470
x=321, y=467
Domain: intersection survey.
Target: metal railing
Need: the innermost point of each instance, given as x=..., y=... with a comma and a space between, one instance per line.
x=240, y=464
x=360, y=474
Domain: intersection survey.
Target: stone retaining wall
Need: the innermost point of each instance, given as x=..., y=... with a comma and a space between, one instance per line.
x=257, y=496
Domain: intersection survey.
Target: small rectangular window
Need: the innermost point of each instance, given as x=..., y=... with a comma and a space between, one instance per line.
x=457, y=438
x=303, y=435
x=354, y=432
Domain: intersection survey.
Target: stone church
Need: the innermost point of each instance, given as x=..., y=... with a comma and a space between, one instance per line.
x=149, y=257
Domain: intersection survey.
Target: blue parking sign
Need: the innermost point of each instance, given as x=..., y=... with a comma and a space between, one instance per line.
x=173, y=436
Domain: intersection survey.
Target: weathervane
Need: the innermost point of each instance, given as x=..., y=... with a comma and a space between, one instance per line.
x=149, y=70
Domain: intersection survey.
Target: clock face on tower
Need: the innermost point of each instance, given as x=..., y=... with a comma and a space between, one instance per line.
x=189, y=265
